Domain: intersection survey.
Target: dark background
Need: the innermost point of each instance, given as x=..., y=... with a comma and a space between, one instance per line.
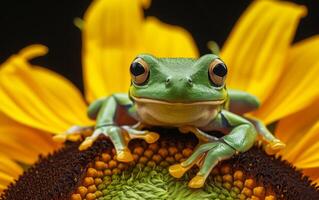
x=50, y=22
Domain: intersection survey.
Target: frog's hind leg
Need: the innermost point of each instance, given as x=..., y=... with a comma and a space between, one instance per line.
x=273, y=144
x=207, y=157
x=219, y=152
x=178, y=170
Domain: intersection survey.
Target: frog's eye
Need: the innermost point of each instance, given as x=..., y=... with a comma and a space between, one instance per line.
x=139, y=71
x=217, y=72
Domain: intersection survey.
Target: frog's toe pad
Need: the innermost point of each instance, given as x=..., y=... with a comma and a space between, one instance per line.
x=86, y=144
x=279, y=145
x=177, y=170
x=197, y=182
x=74, y=138
x=59, y=138
x=184, y=129
x=124, y=156
x=274, y=147
x=151, y=137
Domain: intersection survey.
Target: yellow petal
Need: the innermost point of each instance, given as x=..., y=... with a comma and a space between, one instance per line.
x=298, y=85
x=33, y=51
x=114, y=33
x=257, y=46
x=9, y=171
x=172, y=41
x=5, y=179
x=145, y=3
x=308, y=149
x=113, y=23
x=300, y=133
x=9, y=167
x=38, y=97
x=2, y=187
x=313, y=173
x=111, y=36
x=21, y=143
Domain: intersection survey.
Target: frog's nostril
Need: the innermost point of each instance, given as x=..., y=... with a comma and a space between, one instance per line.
x=168, y=80
x=189, y=81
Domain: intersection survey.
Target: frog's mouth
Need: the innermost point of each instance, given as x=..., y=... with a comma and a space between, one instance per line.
x=167, y=113
x=172, y=103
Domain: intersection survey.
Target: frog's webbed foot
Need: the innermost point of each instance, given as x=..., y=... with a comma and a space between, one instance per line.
x=120, y=137
x=274, y=146
x=148, y=136
x=206, y=156
x=74, y=133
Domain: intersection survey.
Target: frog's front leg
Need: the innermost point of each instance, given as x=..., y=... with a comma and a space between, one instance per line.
x=120, y=136
x=104, y=111
x=241, y=137
x=74, y=133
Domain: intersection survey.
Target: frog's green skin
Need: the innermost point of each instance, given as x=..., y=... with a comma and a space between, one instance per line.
x=179, y=93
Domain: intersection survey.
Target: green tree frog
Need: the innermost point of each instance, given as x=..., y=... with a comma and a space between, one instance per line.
x=191, y=95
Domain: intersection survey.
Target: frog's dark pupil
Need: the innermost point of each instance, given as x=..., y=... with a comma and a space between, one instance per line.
x=220, y=70
x=137, y=69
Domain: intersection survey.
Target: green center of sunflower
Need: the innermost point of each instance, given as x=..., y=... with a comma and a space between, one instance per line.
x=157, y=183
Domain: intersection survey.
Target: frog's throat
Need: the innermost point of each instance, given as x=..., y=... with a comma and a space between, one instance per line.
x=172, y=103
x=176, y=114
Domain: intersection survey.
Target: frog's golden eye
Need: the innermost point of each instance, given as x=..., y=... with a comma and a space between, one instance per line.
x=217, y=72
x=139, y=71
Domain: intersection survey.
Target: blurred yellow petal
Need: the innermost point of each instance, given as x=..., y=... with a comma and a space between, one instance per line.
x=111, y=35
x=146, y=3
x=300, y=133
x=63, y=95
x=114, y=33
x=9, y=167
x=310, y=156
x=171, y=41
x=33, y=51
x=298, y=85
x=257, y=46
x=2, y=187
x=21, y=143
x=313, y=173
x=38, y=97
x=5, y=179
x=308, y=149
x=113, y=23
x=9, y=171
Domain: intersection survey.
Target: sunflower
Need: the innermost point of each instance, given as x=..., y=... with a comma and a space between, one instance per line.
x=36, y=102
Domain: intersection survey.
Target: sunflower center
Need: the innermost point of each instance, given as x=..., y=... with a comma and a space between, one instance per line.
x=147, y=176
x=96, y=174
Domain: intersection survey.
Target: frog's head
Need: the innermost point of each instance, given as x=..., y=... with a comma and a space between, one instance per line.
x=178, y=80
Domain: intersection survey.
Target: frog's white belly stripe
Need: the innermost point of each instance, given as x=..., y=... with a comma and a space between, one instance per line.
x=162, y=113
